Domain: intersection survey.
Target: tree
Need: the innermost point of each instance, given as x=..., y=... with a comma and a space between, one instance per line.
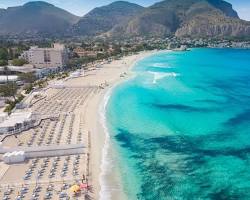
x=3, y=62
x=12, y=104
x=101, y=56
x=19, y=62
x=28, y=77
x=3, y=54
x=9, y=90
x=3, y=57
x=117, y=49
x=11, y=54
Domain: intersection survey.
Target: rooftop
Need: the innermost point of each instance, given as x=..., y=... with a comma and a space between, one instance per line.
x=16, y=118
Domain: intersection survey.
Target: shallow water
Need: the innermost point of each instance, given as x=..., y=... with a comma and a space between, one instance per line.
x=181, y=127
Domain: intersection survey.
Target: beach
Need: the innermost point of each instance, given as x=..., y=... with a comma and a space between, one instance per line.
x=113, y=74
x=76, y=104
x=160, y=130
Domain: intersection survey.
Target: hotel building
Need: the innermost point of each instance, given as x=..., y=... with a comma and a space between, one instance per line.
x=46, y=57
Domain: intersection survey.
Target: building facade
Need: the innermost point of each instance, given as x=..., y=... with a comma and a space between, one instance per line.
x=54, y=57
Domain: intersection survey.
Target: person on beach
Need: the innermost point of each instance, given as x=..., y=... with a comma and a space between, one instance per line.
x=83, y=178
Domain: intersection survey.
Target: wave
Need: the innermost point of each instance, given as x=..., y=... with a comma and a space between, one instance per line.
x=106, y=160
x=161, y=65
x=105, y=192
x=159, y=75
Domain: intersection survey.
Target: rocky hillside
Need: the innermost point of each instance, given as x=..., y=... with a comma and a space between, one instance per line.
x=102, y=19
x=182, y=18
x=193, y=18
x=225, y=7
x=213, y=25
x=35, y=18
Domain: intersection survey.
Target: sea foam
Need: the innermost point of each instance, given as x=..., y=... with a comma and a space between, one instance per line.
x=105, y=192
x=161, y=65
x=160, y=75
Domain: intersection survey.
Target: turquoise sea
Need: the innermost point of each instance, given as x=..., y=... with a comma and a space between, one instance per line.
x=181, y=127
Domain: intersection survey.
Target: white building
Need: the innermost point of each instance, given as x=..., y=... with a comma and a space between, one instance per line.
x=3, y=78
x=14, y=157
x=76, y=74
x=46, y=57
x=16, y=121
x=3, y=116
x=58, y=85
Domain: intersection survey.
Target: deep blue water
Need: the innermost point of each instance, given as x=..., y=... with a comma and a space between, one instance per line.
x=181, y=127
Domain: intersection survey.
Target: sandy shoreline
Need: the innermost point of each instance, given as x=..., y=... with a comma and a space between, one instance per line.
x=115, y=190
x=98, y=134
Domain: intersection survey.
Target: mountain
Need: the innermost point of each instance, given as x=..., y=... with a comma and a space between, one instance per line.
x=225, y=7
x=213, y=24
x=102, y=19
x=35, y=18
x=181, y=18
x=192, y=18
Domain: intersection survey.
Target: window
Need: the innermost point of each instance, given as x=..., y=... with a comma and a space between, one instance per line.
x=47, y=58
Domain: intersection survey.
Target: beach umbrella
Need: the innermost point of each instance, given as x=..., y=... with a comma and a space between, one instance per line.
x=83, y=186
x=75, y=188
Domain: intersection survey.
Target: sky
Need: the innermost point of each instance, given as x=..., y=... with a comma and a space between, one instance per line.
x=81, y=7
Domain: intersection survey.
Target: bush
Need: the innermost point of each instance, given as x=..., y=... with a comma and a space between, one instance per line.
x=11, y=105
x=28, y=88
x=20, y=97
x=41, y=83
x=9, y=89
x=19, y=62
x=3, y=62
x=9, y=108
x=3, y=54
x=28, y=77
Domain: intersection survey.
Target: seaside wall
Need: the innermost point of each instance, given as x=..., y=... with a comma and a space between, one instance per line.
x=54, y=153
x=46, y=151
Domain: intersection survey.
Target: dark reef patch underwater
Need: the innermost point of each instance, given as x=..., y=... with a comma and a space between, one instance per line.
x=159, y=177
